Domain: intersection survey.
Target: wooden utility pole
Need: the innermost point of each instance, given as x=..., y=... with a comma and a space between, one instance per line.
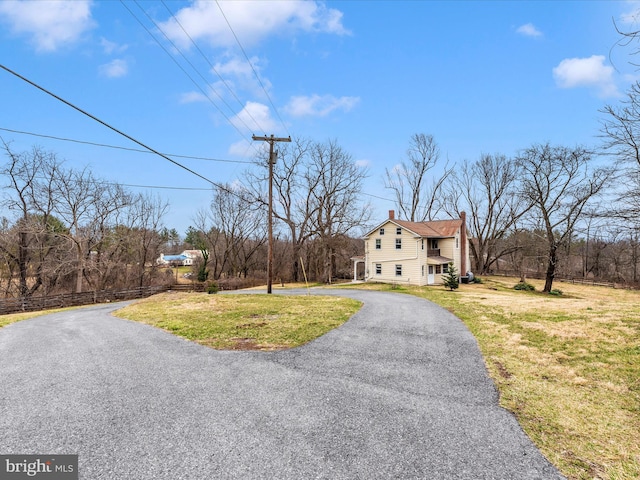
x=272, y=161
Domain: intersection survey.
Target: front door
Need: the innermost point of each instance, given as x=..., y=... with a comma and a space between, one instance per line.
x=431, y=279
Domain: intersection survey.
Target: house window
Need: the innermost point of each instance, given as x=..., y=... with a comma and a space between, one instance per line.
x=399, y=231
x=378, y=244
x=382, y=231
x=398, y=243
x=456, y=242
x=378, y=269
x=398, y=270
x=423, y=270
x=423, y=244
x=434, y=243
x=437, y=269
x=445, y=268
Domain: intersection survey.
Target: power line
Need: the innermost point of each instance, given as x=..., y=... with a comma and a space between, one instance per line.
x=162, y=187
x=122, y=148
x=93, y=117
x=379, y=198
x=206, y=95
x=252, y=68
x=211, y=65
x=146, y=147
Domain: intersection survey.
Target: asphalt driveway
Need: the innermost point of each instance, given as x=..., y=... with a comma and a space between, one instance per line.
x=399, y=391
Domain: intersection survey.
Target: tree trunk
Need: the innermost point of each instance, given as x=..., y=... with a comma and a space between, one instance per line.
x=23, y=264
x=551, y=268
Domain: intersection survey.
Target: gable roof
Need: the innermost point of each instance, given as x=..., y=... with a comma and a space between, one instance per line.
x=429, y=229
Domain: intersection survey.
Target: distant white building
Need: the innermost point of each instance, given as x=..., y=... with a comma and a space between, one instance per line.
x=184, y=259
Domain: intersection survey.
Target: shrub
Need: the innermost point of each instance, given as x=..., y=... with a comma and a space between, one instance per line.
x=213, y=288
x=556, y=292
x=477, y=280
x=451, y=280
x=203, y=273
x=527, y=287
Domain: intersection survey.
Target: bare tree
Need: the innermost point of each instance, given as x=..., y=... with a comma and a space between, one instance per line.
x=486, y=189
x=334, y=183
x=145, y=223
x=559, y=183
x=418, y=192
x=292, y=202
x=108, y=258
x=31, y=199
x=620, y=129
x=77, y=193
x=243, y=224
x=232, y=230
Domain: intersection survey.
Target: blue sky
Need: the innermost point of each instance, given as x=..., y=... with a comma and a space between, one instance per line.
x=481, y=77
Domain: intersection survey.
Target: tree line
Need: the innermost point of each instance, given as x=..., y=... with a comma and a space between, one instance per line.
x=64, y=230
x=547, y=210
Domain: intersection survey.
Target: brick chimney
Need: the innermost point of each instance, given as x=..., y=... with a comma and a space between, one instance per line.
x=392, y=214
x=463, y=243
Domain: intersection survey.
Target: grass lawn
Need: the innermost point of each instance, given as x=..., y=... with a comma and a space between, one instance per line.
x=241, y=321
x=16, y=317
x=567, y=366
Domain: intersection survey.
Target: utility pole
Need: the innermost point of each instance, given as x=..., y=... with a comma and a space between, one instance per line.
x=272, y=160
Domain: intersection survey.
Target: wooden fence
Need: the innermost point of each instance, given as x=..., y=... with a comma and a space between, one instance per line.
x=187, y=287
x=30, y=304
x=581, y=281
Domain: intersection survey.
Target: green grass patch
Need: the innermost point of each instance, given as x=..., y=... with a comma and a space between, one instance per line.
x=568, y=366
x=16, y=317
x=241, y=321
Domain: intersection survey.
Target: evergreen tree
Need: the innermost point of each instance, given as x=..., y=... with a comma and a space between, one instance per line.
x=451, y=278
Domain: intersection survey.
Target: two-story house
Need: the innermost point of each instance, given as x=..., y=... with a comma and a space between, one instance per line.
x=415, y=253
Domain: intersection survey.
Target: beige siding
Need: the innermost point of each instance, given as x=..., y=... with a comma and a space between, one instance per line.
x=412, y=256
x=448, y=249
x=388, y=256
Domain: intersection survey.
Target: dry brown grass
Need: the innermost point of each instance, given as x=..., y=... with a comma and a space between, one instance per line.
x=568, y=367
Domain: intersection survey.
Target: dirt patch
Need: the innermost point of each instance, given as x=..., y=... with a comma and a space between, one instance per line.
x=244, y=344
x=264, y=317
x=252, y=325
x=502, y=370
x=250, y=344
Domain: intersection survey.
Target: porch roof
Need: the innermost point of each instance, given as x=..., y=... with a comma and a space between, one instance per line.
x=438, y=260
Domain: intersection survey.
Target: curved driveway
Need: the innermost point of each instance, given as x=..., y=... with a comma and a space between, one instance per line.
x=399, y=391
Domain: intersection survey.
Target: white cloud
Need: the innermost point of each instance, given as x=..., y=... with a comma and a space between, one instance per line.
x=50, y=24
x=115, y=68
x=237, y=67
x=586, y=72
x=251, y=21
x=529, y=30
x=239, y=148
x=248, y=149
x=363, y=163
x=193, y=97
x=239, y=74
x=255, y=117
x=111, y=47
x=318, y=105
